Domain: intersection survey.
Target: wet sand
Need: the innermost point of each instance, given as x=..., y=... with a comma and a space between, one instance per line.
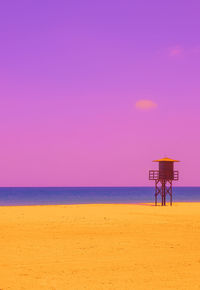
x=100, y=247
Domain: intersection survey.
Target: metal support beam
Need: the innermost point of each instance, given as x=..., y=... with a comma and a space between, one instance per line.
x=162, y=188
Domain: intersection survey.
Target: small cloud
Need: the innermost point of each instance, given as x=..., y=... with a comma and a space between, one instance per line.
x=145, y=105
x=175, y=51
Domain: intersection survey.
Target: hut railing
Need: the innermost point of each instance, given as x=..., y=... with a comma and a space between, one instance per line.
x=156, y=175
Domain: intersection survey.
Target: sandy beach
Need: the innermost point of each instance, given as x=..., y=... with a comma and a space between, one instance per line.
x=100, y=247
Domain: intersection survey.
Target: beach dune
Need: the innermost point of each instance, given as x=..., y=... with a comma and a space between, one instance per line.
x=100, y=246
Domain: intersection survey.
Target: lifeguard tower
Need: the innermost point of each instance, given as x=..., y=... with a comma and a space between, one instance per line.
x=163, y=179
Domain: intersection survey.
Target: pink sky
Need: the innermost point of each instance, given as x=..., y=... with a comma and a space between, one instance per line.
x=71, y=75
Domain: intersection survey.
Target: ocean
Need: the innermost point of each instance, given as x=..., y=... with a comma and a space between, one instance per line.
x=10, y=196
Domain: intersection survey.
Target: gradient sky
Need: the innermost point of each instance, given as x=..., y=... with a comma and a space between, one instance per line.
x=92, y=91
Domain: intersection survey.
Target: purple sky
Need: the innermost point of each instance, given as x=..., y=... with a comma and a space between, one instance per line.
x=73, y=74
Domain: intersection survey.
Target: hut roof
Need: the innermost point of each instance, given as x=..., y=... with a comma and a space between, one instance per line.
x=166, y=160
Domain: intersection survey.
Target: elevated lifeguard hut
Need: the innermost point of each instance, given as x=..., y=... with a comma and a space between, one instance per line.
x=163, y=178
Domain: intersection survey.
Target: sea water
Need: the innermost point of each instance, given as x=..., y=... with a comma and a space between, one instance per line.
x=89, y=195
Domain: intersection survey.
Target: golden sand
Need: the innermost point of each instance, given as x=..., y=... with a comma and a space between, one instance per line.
x=100, y=247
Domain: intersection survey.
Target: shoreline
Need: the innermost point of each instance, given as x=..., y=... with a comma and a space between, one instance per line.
x=82, y=204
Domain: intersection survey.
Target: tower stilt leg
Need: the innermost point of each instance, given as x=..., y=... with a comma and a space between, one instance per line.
x=170, y=192
x=164, y=192
x=157, y=191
